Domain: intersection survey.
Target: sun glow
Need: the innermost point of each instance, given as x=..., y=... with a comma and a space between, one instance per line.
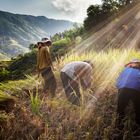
x=120, y=34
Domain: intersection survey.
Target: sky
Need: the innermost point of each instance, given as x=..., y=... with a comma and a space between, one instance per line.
x=73, y=10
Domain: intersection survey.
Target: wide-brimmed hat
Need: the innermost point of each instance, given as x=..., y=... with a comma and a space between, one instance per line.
x=135, y=60
x=46, y=40
x=39, y=42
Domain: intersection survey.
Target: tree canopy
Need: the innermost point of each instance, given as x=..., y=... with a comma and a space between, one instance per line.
x=99, y=13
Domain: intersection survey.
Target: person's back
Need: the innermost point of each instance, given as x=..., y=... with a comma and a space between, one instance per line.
x=128, y=85
x=74, y=68
x=129, y=78
x=72, y=75
x=45, y=67
x=43, y=58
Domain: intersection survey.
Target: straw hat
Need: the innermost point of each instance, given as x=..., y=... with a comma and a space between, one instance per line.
x=135, y=60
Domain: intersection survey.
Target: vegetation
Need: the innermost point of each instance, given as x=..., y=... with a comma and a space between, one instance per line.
x=4, y=74
x=43, y=118
x=78, y=30
x=60, y=47
x=3, y=57
x=36, y=116
x=22, y=65
x=18, y=31
x=36, y=103
x=97, y=14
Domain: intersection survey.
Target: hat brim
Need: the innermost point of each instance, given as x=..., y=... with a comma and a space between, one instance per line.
x=132, y=63
x=39, y=42
x=48, y=41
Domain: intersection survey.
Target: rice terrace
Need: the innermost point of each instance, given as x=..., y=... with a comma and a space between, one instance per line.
x=35, y=103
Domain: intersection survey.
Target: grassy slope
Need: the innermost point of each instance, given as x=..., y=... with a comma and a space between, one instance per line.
x=3, y=57
x=59, y=120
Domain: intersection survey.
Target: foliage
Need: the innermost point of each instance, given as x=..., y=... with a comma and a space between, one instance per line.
x=3, y=56
x=32, y=46
x=5, y=97
x=60, y=47
x=62, y=43
x=78, y=30
x=18, y=31
x=57, y=118
x=65, y=41
x=23, y=65
x=35, y=102
x=94, y=16
x=97, y=14
x=4, y=74
x=126, y=2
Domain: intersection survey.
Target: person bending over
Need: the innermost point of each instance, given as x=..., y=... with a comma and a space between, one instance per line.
x=72, y=75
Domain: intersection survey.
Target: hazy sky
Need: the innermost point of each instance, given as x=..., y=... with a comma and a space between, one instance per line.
x=74, y=10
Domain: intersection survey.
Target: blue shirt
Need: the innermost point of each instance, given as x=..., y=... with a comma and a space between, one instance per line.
x=129, y=78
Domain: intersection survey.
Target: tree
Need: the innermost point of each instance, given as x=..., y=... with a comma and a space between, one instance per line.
x=99, y=13
x=109, y=7
x=31, y=46
x=94, y=13
x=125, y=2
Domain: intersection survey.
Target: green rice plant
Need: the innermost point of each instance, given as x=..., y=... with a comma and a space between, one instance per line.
x=5, y=97
x=17, y=87
x=36, y=102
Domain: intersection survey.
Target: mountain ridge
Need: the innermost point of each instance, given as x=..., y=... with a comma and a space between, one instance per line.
x=18, y=31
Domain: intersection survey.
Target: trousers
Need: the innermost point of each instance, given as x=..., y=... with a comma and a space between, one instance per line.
x=71, y=88
x=125, y=96
x=49, y=81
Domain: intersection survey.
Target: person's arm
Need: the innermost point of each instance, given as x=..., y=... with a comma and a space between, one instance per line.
x=86, y=81
x=88, y=77
x=84, y=84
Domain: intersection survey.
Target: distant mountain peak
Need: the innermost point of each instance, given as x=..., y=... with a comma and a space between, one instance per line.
x=26, y=29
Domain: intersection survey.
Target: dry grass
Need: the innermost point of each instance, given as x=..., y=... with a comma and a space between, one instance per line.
x=57, y=119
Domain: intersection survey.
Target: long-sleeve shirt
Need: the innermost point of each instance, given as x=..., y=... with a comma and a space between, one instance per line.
x=43, y=58
x=129, y=78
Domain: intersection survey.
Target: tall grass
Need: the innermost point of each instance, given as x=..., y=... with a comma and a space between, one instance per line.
x=16, y=87
x=107, y=64
x=4, y=97
x=62, y=121
x=36, y=102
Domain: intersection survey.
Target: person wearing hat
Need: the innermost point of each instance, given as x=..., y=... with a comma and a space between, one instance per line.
x=45, y=66
x=128, y=85
x=72, y=75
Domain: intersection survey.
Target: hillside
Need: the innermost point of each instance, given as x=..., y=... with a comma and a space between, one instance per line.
x=3, y=57
x=46, y=119
x=18, y=31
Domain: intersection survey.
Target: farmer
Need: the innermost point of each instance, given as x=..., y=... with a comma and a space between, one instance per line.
x=128, y=85
x=45, y=66
x=72, y=74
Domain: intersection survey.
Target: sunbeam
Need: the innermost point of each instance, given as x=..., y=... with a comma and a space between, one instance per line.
x=123, y=33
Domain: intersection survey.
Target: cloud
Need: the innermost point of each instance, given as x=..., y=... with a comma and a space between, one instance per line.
x=65, y=5
x=76, y=9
